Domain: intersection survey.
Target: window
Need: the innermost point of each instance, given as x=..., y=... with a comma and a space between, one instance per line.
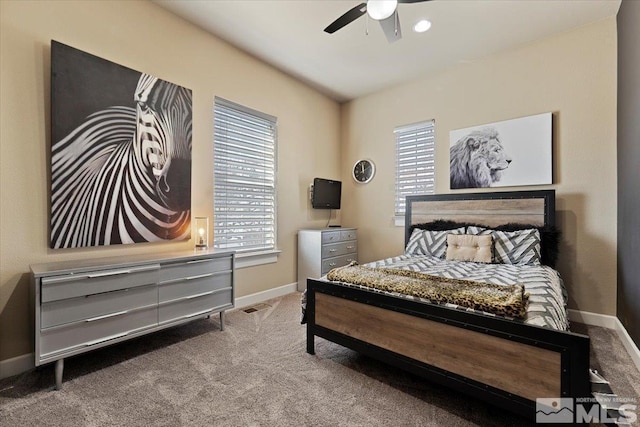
x=244, y=186
x=415, y=163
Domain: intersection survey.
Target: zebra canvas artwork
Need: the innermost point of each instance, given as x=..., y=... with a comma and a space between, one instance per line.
x=120, y=154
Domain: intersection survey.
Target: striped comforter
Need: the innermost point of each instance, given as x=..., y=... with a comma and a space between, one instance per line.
x=547, y=295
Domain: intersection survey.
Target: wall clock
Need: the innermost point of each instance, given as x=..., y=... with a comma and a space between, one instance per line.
x=363, y=171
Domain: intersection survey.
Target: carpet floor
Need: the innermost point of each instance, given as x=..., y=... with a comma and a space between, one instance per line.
x=257, y=373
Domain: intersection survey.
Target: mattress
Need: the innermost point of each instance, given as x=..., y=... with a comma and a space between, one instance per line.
x=547, y=295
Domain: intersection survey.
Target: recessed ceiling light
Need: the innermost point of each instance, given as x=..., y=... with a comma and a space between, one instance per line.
x=422, y=26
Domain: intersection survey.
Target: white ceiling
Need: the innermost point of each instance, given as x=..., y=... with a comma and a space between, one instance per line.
x=348, y=64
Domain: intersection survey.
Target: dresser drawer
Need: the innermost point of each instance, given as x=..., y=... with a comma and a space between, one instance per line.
x=331, y=236
x=195, y=305
x=95, y=331
x=71, y=310
x=194, y=268
x=340, y=261
x=337, y=249
x=94, y=282
x=177, y=289
x=348, y=235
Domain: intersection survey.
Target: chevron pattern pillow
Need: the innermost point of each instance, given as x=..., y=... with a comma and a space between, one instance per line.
x=426, y=242
x=513, y=247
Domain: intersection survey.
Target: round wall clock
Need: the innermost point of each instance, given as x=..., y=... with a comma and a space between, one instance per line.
x=363, y=171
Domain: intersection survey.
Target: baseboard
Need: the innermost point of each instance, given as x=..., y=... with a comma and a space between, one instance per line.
x=252, y=299
x=609, y=322
x=593, y=319
x=17, y=365
x=628, y=343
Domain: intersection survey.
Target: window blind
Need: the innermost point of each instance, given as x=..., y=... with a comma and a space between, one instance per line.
x=244, y=186
x=415, y=162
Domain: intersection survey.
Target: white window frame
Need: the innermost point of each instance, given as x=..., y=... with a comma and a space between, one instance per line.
x=415, y=146
x=260, y=130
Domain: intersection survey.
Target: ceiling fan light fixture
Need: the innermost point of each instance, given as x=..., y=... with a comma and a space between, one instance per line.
x=422, y=26
x=381, y=9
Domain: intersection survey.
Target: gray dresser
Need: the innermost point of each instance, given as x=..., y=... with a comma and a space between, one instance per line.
x=87, y=304
x=321, y=250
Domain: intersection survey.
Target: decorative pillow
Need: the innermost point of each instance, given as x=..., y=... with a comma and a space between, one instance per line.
x=515, y=247
x=549, y=240
x=467, y=247
x=434, y=243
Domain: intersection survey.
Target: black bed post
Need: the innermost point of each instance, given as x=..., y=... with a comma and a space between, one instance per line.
x=311, y=317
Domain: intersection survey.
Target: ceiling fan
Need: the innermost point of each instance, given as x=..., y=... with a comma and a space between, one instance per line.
x=384, y=11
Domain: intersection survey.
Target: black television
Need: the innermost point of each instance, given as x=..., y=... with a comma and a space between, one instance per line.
x=326, y=194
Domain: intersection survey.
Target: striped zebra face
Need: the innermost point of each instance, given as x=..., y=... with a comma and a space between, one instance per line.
x=163, y=139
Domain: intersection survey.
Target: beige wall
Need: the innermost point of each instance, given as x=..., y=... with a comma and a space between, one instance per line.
x=142, y=36
x=572, y=75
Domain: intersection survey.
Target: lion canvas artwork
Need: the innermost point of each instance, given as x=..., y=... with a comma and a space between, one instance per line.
x=502, y=154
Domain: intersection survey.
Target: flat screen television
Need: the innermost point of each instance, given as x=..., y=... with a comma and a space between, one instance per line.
x=326, y=194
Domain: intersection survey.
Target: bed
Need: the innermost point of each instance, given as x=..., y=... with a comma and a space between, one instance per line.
x=506, y=361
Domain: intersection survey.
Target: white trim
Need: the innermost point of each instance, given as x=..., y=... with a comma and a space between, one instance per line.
x=609, y=322
x=17, y=365
x=628, y=343
x=251, y=259
x=251, y=299
x=593, y=319
x=398, y=220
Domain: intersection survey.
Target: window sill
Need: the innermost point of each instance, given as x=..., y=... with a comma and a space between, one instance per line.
x=251, y=259
x=398, y=221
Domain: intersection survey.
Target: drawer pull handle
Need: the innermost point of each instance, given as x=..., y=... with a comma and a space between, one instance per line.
x=199, y=277
x=332, y=264
x=199, y=295
x=350, y=247
x=108, y=273
x=332, y=250
x=106, y=316
x=112, y=337
x=209, y=310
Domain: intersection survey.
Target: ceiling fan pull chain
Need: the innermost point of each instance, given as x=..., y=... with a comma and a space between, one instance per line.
x=395, y=21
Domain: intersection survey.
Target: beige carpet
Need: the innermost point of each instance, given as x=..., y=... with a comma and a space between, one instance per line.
x=255, y=373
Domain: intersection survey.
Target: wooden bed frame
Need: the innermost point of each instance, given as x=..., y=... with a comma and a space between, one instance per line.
x=506, y=363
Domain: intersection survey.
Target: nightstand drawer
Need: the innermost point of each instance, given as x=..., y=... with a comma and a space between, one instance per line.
x=348, y=235
x=95, y=331
x=189, y=269
x=338, y=249
x=96, y=282
x=331, y=236
x=74, y=309
x=331, y=263
x=193, y=286
x=195, y=305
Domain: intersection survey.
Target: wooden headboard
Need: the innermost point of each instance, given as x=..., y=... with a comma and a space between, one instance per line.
x=489, y=209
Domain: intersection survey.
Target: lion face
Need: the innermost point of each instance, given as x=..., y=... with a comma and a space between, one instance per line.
x=492, y=153
x=478, y=159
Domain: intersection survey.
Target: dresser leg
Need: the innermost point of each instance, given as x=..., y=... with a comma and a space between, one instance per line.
x=59, y=369
x=222, y=320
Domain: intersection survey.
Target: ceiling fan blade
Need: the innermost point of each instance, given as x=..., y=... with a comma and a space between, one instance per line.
x=412, y=1
x=347, y=18
x=391, y=28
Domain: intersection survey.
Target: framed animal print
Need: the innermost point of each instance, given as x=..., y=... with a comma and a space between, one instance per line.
x=120, y=154
x=502, y=154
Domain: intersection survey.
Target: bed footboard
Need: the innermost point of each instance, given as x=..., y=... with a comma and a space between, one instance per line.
x=506, y=363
